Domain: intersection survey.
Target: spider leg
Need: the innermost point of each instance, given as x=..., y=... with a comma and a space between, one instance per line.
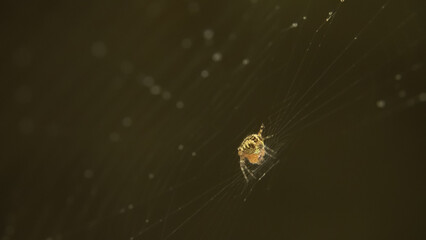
x=244, y=168
x=250, y=172
x=268, y=137
x=261, y=129
x=270, y=155
x=269, y=149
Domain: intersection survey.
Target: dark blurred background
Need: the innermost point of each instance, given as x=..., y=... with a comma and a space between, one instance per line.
x=121, y=119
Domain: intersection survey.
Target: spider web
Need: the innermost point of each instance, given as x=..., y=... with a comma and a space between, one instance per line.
x=123, y=121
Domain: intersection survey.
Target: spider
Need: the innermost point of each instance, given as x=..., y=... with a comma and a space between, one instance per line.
x=254, y=150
